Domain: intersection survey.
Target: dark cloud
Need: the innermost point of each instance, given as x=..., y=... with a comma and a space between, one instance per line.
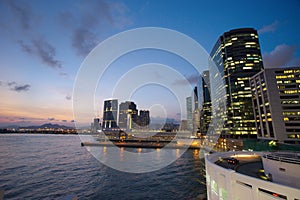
x=20, y=88
x=91, y=19
x=63, y=74
x=43, y=50
x=282, y=55
x=46, y=52
x=25, y=47
x=68, y=97
x=64, y=120
x=51, y=118
x=24, y=23
x=22, y=14
x=269, y=28
x=72, y=121
x=84, y=41
x=11, y=83
x=17, y=87
x=192, y=79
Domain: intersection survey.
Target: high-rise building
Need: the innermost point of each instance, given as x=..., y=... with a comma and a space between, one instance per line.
x=276, y=102
x=144, y=119
x=183, y=125
x=110, y=111
x=128, y=114
x=96, y=126
x=195, y=98
x=235, y=58
x=196, y=111
x=204, y=102
x=189, y=113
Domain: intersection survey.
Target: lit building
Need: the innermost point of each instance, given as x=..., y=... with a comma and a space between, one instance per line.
x=196, y=111
x=204, y=102
x=183, y=125
x=235, y=58
x=127, y=115
x=110, y=111
x=276, y=102
x=189, y=113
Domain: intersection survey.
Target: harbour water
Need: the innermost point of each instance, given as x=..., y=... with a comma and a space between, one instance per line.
x=57, y=167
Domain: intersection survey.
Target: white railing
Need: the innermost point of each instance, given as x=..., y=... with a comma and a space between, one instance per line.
x=227, y=184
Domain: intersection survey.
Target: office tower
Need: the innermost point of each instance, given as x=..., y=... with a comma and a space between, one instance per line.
x=96, y=126
x=110, y=111
x=195, y=98
x=276, y=103
x=196, y=111
x=128, y=114
x=144, y=119
x=189, y=112
x=233, y=60
x=204, y=102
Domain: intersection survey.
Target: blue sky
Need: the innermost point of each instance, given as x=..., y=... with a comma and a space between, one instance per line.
x=43, y=44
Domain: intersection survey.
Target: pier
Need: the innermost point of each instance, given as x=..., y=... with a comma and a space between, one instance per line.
x=144, y=144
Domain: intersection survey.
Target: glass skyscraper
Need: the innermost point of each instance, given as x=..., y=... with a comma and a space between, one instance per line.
x=144, y=119
x=235, y=58
x=110, y=111
x=127, y=115
x=204, y=102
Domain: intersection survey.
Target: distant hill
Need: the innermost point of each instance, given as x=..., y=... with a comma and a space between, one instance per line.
x=10, y=127
x=48, y=125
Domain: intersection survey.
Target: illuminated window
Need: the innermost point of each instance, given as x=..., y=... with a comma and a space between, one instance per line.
x=285, y=76
x=288, y=71
x=250, y=43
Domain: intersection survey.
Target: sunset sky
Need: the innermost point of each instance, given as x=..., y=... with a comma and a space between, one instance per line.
x=43, y=44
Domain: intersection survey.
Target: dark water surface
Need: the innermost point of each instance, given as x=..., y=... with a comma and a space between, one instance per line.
x=57, y=167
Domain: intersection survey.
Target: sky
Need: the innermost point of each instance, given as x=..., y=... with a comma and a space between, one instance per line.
x=44, y=43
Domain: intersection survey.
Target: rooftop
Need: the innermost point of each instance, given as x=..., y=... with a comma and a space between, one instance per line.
x=250, y=165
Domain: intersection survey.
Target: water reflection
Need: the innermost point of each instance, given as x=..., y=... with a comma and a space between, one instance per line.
x=196, y=154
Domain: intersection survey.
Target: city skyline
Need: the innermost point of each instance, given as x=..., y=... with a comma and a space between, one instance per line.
x=43, y=47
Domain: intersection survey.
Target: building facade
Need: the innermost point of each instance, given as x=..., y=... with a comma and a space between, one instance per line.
x=189, y=113
x=110, y=113
x=196, y=111
x=128, y=114
x=235, y=58
x=96, y=125
x=204, y=102
x=143, y=119
x=276, y=103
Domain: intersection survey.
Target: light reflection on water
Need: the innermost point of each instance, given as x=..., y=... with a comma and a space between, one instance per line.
x=53, y=167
